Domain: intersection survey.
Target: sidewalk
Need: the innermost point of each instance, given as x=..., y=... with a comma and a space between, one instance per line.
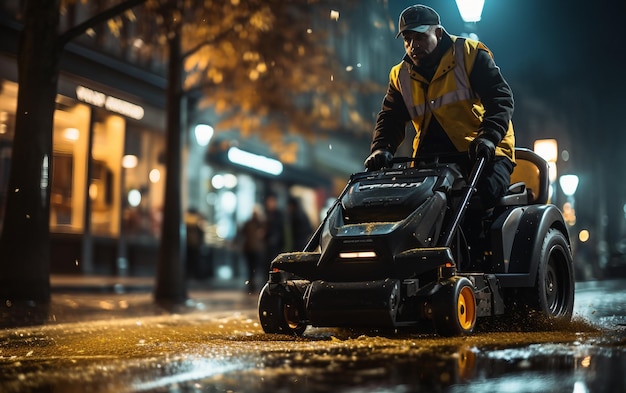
x=97, y=298
x=100, y=284
x=60, y=283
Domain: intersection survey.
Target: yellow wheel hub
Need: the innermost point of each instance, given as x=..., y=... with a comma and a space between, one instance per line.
x=466, y=308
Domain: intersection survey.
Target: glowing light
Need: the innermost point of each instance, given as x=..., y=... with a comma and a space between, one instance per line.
x=586, y=362
x=218, y=181
x=546, y=149
x=45, y=167
x=197, y=369
x=93, y=191
x=357, y=254
x=113, y=104
x=569, y=213
x=583, y=235
x=134, y=198
x=580, y=387
x=255, y=161
x=334, y=15
x=228, y=202
x=569, y=184
x=71, y=134
x=129, y=161
x=154, y=175
x=225, y=272
x=203, y=133
x=230, y=180
x=470, y=10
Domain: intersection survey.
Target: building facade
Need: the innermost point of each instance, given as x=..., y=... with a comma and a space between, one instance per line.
x=110, y=114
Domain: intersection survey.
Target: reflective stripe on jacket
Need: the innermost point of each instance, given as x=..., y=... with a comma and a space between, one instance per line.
x=448, y=97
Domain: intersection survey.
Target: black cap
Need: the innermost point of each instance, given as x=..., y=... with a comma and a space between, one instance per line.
x=417, y=18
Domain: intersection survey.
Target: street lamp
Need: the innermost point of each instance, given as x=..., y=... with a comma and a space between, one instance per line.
x=549, y=151
x=471, y=12
x=546, y=149
x=203, y=134
x=569, y=184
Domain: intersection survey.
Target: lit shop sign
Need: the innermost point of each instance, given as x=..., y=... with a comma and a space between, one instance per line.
x=110, y=103
x=255, y=161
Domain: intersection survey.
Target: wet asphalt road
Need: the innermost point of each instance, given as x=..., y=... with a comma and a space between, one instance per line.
x=210, y=347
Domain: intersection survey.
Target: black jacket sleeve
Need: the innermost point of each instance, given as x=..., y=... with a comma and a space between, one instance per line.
x=495, y=95
x=390, y=122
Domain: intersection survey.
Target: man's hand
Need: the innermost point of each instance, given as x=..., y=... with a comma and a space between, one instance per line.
x=380, y=158
x=481, y=146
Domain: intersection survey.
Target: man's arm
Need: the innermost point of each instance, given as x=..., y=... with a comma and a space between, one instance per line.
x=390, y=122
x=495, y=95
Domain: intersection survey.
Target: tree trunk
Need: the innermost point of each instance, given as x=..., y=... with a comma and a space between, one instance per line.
x=25, y=241
x=170, y=281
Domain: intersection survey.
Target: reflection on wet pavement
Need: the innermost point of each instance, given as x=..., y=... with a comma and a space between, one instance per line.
x=209, y=347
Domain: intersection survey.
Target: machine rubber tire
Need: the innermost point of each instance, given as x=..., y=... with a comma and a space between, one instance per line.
x=280, y=313
x=553, y=293
x=454, y=307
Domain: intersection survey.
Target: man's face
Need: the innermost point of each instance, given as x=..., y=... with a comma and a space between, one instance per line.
x=420, y=46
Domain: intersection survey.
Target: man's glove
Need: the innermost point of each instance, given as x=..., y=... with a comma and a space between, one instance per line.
x=380, y=158
x=482, y=146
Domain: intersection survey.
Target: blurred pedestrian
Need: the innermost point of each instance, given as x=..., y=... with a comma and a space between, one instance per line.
x=275, y=228
x=253, y=246
x=194, y=224
x=300, y=228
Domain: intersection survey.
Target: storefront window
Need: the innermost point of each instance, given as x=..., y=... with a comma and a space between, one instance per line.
x=143, y=182
x=104, y=188
x=127, y=169
x=8, y=104
x=71, y=127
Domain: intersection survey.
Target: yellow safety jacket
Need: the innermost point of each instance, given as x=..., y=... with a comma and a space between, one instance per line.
x=448, y=97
